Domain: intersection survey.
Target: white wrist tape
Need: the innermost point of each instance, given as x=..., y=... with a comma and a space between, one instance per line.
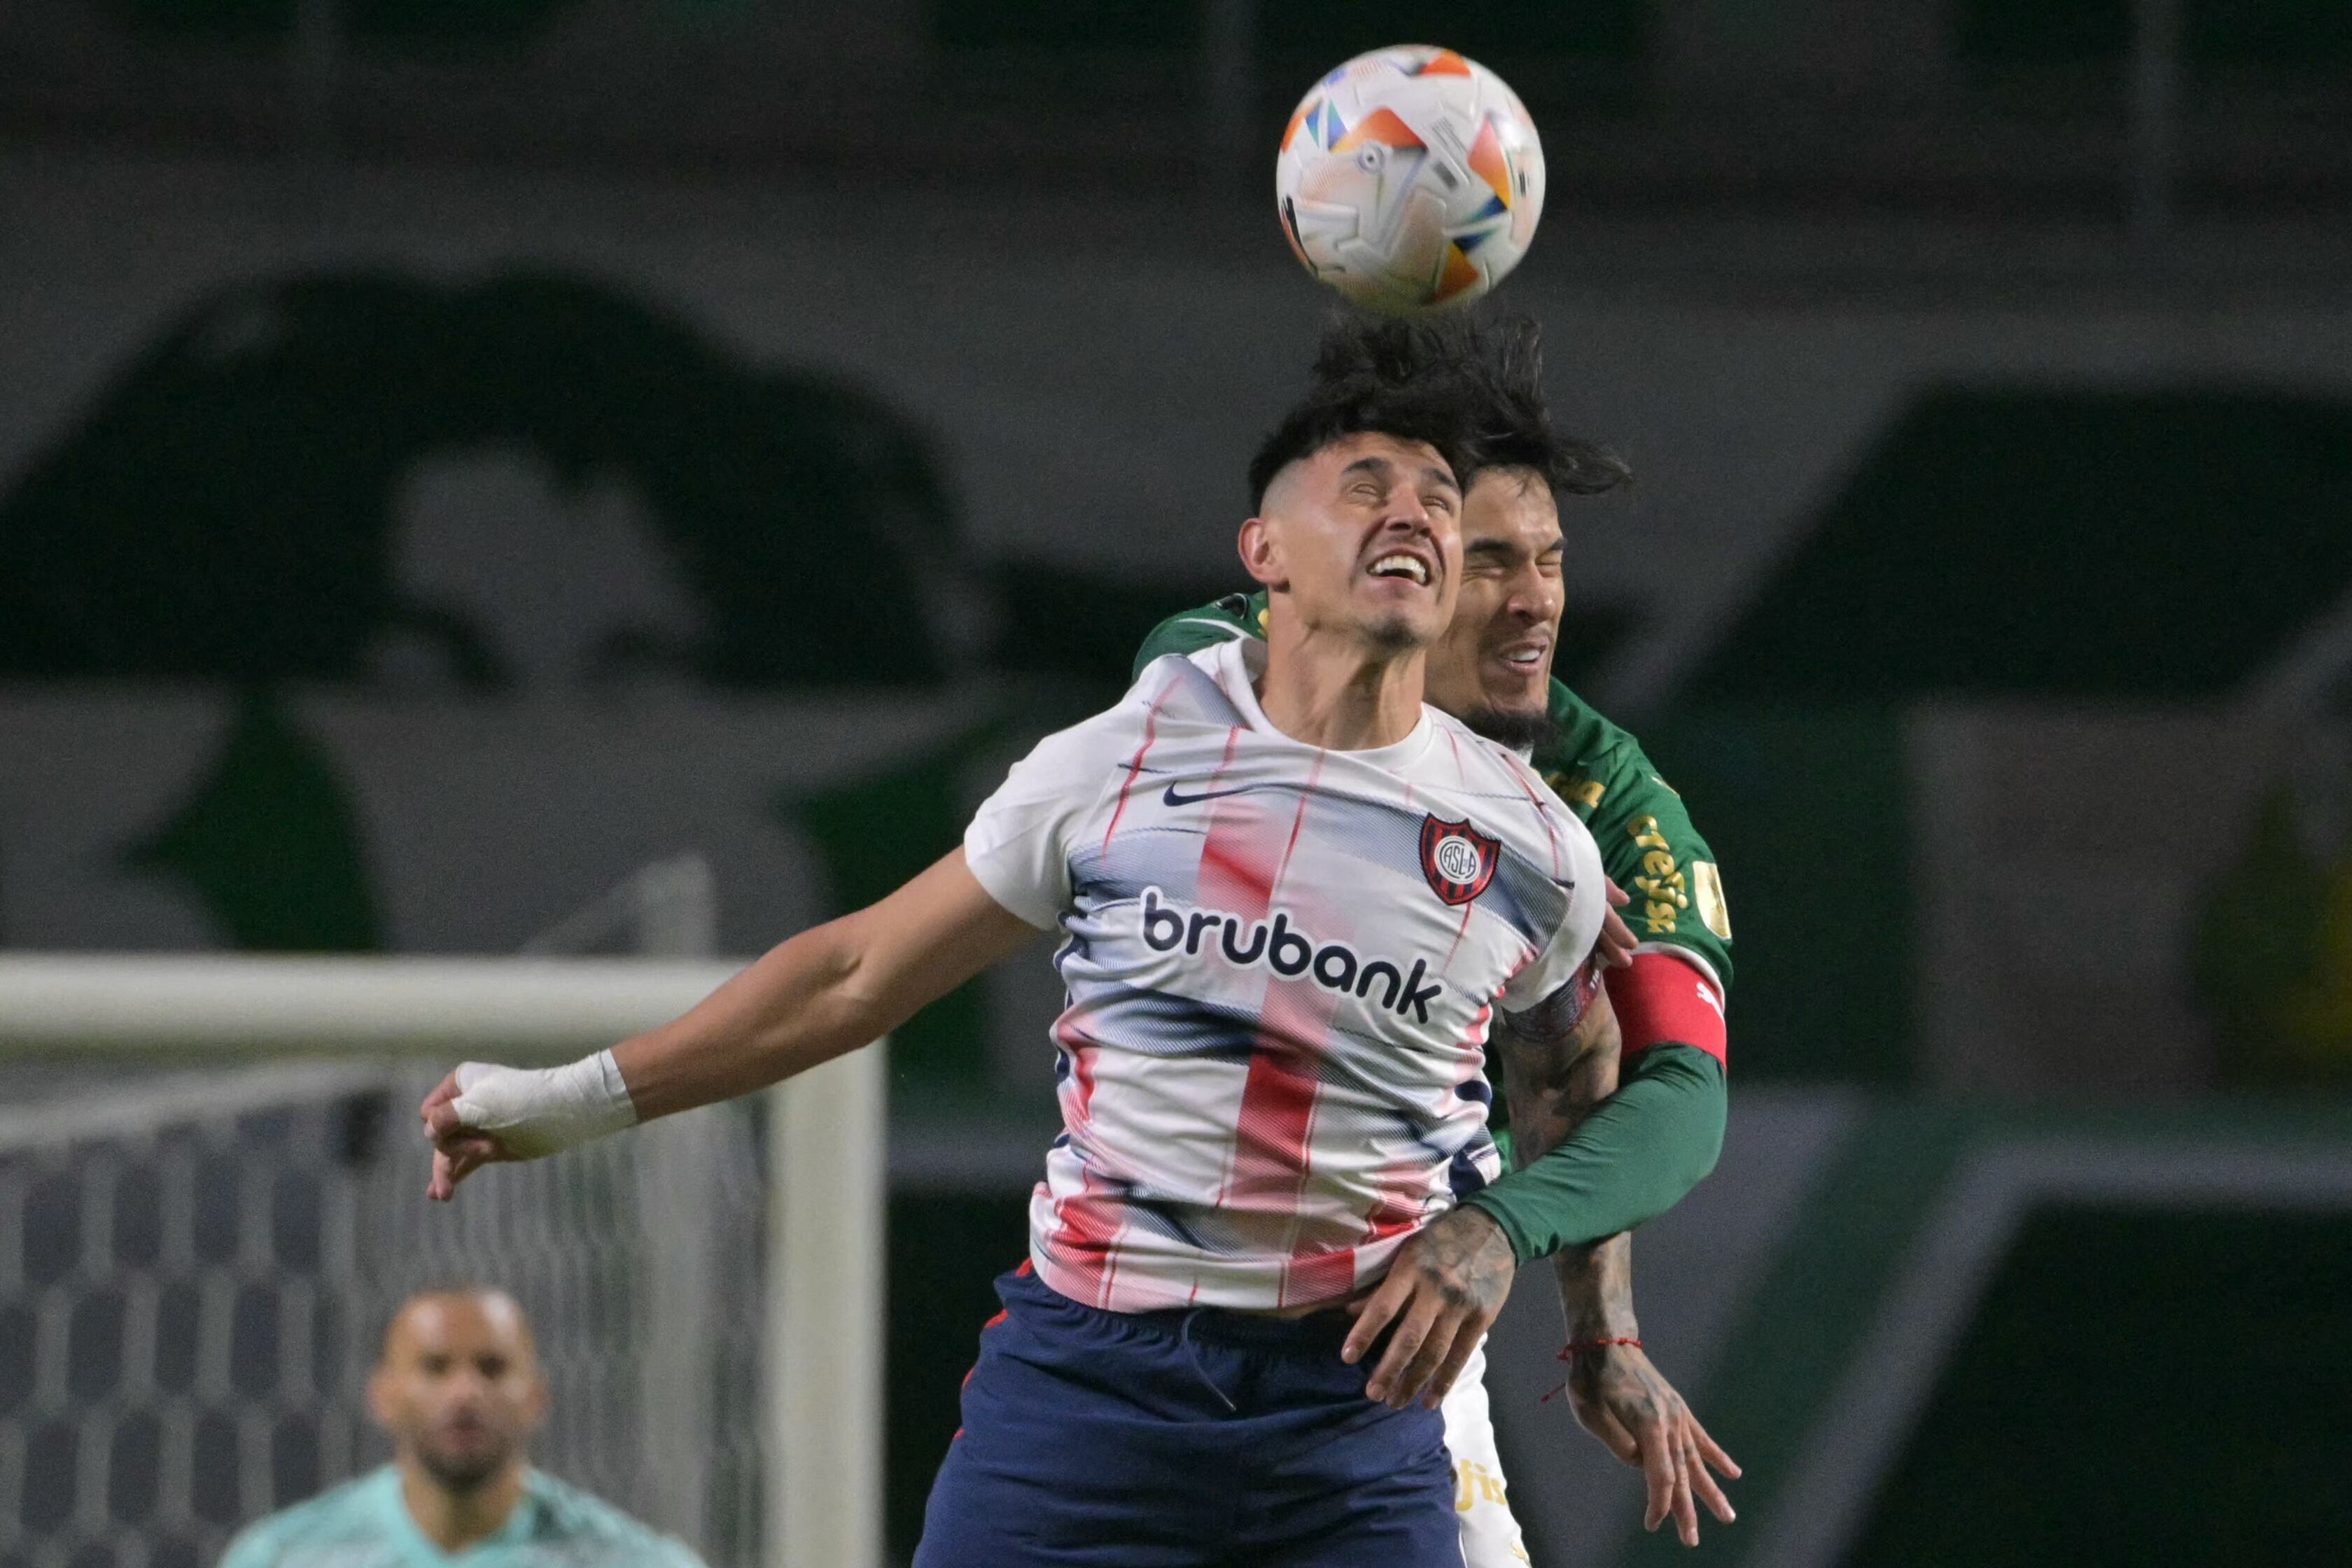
x=537, y=1112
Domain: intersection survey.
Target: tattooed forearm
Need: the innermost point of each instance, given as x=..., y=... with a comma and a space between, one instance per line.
x=1558, y=1060
x=1596, y=1288
x=1555, y=1070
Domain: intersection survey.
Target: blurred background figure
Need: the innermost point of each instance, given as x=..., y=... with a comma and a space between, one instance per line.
x=467, y=467
x=459, y=1392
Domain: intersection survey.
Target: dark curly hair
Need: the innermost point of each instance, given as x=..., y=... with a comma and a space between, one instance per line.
x=1425, y=396
x=1470, y=387
x=1515, y=426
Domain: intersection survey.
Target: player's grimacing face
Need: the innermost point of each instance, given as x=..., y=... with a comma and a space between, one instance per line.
x=459, y=1385
x=1365, y=537
x=1495, y=654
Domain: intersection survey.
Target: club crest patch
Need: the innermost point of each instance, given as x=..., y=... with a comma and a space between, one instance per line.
x=1458, y=859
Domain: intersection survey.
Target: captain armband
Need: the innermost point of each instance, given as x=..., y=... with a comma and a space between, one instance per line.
x=1663, y=1000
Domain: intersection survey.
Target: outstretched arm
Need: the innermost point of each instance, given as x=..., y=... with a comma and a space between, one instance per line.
x=824, y=993
x=821, y=994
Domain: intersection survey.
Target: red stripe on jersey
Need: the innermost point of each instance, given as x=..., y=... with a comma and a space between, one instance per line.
x=1270, y=1132
x=1472, y=1043
x=1135, y=765
x=1242, y=860
x=1277, y=1104
x=1398, y=1208
x=1661, y=999
x=1239, y=856
x=1326, y=1277
x=1274, y=1127
x=1086, y=1227
x=1298, y=817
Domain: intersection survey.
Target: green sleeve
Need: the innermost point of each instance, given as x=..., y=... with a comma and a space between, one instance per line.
x=1235, y=615
x=1650, y=849
x=1630, y=1161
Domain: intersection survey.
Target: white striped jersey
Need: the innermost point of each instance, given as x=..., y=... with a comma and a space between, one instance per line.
x=1282, y=963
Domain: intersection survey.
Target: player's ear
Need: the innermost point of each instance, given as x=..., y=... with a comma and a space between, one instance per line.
x=1260, y=553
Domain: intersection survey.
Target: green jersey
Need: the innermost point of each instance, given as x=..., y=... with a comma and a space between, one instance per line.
x=363, y=1523
x=1647, y=843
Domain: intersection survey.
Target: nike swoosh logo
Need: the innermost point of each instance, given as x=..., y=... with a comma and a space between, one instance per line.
x=1172, y=798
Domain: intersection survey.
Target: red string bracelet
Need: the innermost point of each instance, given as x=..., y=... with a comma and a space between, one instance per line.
x=1569, y=1351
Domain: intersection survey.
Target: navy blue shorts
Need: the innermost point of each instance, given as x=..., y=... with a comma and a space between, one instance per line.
x=1201, y=1439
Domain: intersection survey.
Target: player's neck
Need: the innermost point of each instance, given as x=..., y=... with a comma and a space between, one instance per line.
x=1324, y=689
x=454, y=1521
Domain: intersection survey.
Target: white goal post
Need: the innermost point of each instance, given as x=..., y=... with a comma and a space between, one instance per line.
x=218, y=1026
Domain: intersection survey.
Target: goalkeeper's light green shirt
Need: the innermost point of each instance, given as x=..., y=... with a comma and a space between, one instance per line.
x=363, y=1523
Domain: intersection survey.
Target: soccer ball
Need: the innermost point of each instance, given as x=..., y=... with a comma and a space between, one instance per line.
x=1410, y=179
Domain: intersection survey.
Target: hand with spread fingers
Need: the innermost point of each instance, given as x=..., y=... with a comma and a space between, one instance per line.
x=1442, y=1292
x=1622, y=1399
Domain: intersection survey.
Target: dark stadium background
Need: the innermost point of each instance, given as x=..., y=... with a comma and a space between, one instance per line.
x=1986, y=592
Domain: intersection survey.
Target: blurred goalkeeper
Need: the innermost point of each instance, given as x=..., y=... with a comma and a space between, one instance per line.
x=458, y=1393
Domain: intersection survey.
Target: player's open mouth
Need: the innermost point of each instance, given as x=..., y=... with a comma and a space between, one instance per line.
x=1527, y=658
x=1402, y=563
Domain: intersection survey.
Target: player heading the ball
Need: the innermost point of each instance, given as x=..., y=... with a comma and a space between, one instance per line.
x=1292, y=898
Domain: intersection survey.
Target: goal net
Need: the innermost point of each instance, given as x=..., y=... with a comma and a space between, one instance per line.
x=211, y=1199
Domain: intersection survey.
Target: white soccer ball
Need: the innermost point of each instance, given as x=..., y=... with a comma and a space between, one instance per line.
x=1410, y=179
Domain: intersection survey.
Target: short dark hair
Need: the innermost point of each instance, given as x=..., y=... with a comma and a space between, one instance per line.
x=1471, y=388
x=1391, y=377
